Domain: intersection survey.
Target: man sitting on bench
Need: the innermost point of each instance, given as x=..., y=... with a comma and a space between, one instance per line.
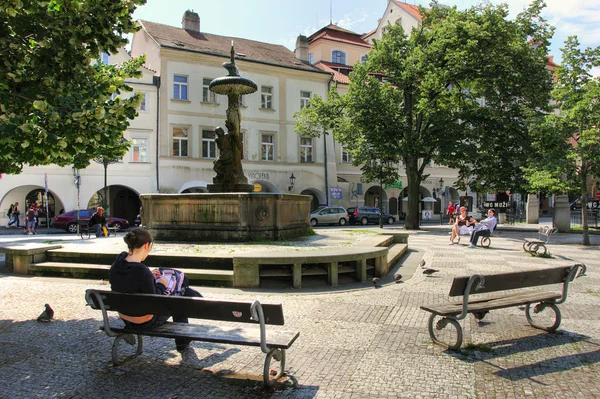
x=97, y=221
x=484, y=228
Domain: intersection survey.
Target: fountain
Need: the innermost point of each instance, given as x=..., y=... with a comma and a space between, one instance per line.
x=230, y=211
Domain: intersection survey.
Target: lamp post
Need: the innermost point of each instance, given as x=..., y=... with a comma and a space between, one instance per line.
x=292, y=182
x=441, y=192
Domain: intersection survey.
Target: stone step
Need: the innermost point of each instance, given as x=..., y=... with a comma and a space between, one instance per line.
x=78, y=270
x=317, y=271
x=396, y=252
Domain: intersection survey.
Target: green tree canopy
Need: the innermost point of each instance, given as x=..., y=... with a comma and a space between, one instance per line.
x=566, y=143
x=428, y=106
x=56, y=105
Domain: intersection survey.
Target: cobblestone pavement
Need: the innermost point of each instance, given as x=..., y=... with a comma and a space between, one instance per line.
x=359, y=343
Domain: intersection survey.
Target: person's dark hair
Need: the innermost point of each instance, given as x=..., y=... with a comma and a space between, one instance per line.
x=493, y=211
x=137, y=238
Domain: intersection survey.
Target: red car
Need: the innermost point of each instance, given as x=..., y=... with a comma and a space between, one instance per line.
x=68, y=220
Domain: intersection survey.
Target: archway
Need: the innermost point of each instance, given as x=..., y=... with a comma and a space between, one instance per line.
x=403, y=204
x=393, y=206
x=122, y=202
x=38, y=196
x=373, y=195
x=318, y=198
x=195, y=186
x=30, y=194
x=262, y=186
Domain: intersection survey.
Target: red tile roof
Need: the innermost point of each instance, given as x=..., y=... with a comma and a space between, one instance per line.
x=337, y=34
x=206, y=43
x=338, y=76
x=412, y=10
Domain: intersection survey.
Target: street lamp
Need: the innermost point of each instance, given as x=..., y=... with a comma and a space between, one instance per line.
x=441, y=192
x=292, y=182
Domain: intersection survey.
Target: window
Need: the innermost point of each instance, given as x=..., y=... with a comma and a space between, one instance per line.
x=363, y=59
x=338, y=57
x=104, y=58
x=209, y=145
x=306, y=150
x=305, y=99
x=346, y=157
x=144, y=103
x=139, y=150
x=180, y=87
x=180, y=142
x=207, y=95
x=311, y=58
x=266, y=97
x=268, y=147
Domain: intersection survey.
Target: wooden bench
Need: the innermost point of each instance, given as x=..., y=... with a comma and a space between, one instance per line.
x=84, y=231
x=452, y=312
x=534, y=245
x=274, y=345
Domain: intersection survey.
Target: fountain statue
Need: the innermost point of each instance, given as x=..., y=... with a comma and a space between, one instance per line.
x=230, y=175
x=230, y=211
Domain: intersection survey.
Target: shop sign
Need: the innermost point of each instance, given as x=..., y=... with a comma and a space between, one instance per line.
x=397, y=184
x=335, y=192
x=500, y=206
x=258, y=175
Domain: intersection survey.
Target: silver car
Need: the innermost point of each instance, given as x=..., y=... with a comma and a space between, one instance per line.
x=329, y=215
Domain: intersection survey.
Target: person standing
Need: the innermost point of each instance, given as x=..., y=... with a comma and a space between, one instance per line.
x=97, y=221
x=9, y=213
x=30, y=221
x=15, y=215
x=450, y=212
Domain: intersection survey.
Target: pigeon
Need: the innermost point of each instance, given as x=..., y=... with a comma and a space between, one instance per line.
x=375, y=281
x=397, y=277
x=429, y=272
x=47, y=314
x=422, y=264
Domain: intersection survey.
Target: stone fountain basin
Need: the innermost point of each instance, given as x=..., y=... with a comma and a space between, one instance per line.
x=229, y=217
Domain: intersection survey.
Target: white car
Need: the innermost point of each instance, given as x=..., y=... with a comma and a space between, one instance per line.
x=329, y=215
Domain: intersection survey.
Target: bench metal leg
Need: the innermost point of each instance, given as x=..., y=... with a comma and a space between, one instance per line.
x=278, y=355
x=440, y=325
x=130, y=339
x=485, y=242
x=539, y=308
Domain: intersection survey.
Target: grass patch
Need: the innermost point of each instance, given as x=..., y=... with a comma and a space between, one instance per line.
x=592, y=292
x=577, y=228
x=472, y=347
x=546, y=255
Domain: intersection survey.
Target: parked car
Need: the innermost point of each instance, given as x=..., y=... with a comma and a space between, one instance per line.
x=68, y=220
x=368, y=214
x=329, y=215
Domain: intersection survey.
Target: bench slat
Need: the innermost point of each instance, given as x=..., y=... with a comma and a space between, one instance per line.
x=221, y=334
x=195, y=308
x=491, y=303
x=514, y=280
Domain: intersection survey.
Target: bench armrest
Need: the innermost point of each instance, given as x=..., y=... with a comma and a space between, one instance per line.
x=576, y=271
x=474, y=279
x=95, y=294
x=257, y=314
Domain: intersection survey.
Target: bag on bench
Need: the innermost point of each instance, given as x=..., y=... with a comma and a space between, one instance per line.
x=178, y=284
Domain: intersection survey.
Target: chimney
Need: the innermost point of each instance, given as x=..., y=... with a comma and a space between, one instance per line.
x=302, y=48
x=190, y=21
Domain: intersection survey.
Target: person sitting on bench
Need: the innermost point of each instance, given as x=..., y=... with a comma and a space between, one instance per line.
x=484, y=228
x=97, y=221
x=129, y=275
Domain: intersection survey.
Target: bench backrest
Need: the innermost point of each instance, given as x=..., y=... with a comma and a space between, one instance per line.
x=195, y=308
x=510, y=281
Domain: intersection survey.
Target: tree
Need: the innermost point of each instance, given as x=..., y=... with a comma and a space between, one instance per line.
x=427, y=107
x=57, y=105
x=567, y=142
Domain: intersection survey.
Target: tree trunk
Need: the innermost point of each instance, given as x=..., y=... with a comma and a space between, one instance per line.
x=584, y=213
x=412, y=176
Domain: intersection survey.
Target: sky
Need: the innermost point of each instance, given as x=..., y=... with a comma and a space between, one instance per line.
x=281, y=21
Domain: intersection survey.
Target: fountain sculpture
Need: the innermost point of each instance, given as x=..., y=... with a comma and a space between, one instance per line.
x=230, y=211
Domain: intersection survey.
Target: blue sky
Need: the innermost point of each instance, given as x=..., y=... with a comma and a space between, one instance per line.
x=280, y=21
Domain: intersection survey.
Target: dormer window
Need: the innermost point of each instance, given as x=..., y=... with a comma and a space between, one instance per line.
x=338, y=57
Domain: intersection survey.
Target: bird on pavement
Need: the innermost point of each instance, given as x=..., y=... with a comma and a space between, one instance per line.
x=422, y=264
x=47, y=314
x=429, y=272
x=375, y=281
x=397, y=277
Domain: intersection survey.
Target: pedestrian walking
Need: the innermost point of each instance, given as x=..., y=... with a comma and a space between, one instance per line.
x=15, y=215
x=30, y=220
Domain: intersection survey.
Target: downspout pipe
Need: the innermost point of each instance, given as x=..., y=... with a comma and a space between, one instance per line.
x=156, y=81
x=327, y=196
